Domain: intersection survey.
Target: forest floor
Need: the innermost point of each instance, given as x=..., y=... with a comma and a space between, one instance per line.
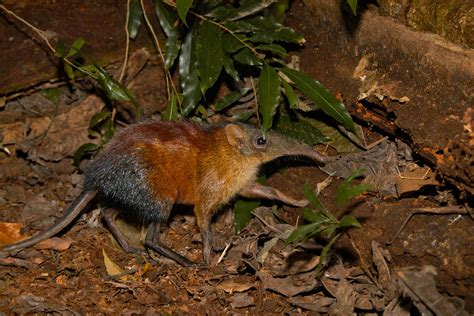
x=413, y=251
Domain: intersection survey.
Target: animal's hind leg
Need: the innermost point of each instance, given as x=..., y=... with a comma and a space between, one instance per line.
x=109, y=215
x=153, y=241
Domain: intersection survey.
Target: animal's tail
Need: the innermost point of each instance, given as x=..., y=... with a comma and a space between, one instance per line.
x=69, y=215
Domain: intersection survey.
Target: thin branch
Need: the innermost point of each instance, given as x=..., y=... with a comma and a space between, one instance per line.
x=127, y=44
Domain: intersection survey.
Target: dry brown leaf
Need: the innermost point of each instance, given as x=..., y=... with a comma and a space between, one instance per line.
x=111, y=267
x=55, y=243
x=291, y=285
x=10, y=233
x=233, y=285
x=240, y=300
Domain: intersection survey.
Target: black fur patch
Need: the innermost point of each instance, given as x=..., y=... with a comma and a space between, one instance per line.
x=122, y=183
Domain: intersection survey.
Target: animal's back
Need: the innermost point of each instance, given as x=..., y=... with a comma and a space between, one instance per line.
x=148, y=165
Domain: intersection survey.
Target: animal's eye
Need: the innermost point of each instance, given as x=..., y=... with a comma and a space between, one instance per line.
x=260, y=142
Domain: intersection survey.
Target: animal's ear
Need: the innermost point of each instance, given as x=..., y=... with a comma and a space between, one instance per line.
x=234, y=135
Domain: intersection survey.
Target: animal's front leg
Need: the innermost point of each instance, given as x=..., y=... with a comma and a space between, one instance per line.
x=256, y=190
x=204, y=216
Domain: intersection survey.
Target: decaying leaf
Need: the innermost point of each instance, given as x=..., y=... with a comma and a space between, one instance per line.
x=235, y=285
x=10, y=233
x=291, y=285
x=111, y=267
x=55, y=243
x=420, y=286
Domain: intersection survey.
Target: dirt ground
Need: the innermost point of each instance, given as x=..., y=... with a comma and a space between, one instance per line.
x=414, y=250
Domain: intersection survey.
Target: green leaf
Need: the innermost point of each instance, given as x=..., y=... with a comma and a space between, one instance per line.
x=52, y=94
x=188, y=73
x=324, y=253
x=243, y=213
x=292, y=98
x=329, y=231
x=337, y=140
x=303, y=232
x=171, y=111
x=349, y=221
x=301, y=130
x=210, y=56
x=321, y=97
x=182, y=6
x=268, y=95
x=347, y=191
x=312, y=216
x=171, y=51
x=312, y=198
x=353, y=5
x=230, y=43
x=134, y=18
x=75, y=47
x=59, y=52
x=69, y=71
x=98, y=118
x=166, y=18
x=82, y=150
x=243, y=116
x=230, y=68
x=265, y=26
x=274, y=49
x=230, y=98
x=246, y=57
x=113, y=89
x=250, y=7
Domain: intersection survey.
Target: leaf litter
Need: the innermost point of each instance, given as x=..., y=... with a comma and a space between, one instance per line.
x=258, y=272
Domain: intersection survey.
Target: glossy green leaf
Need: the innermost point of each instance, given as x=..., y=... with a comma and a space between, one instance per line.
x=166, y=18
x=230, y=43
x=222, y=12
x=210, y=55
x=349, y=221
x=353, y=5
x=347, y=191
x=276, y=31
x=301, y=130
x=312, y=197
x=82, y=150
x=320, y=96
x=268, y=95
x=75, y=47
x=182, y=6
x=246, y=57
x=230, y=68
x=329, y=231
x=52, y=94
x=274, y=49
x=250, y=7
x=98, y=118
x=135, y=18
x=243, y=116
x=291, y=96
x=230, y=99
x=171, y=51
x=188, y=73
x=243, y=213
x=113, y=89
